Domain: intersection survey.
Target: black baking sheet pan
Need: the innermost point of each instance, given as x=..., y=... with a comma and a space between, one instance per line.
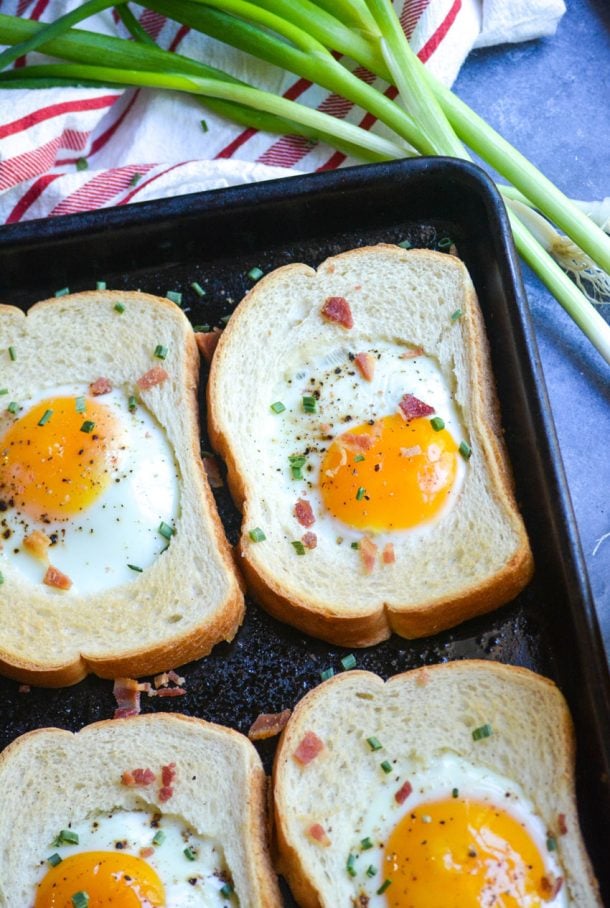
x=216, y=238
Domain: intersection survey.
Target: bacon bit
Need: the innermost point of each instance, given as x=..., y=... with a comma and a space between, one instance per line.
x=56, y=579
x=153, y=377
x=359, y=443
x=171, y=692
x=168, y=773
x=366, y=365
x=212, y=469
x=147, y=852
x=411, y=354
x=100, y=386
x=324, y=428
x=410, y=452
x=127, y=695
x=336, y=309
x=561, y=824
x=304, y=513
x=403, y=793
x=412, y=408
x=308, y=749
x=368, y=554
x=268, y=725
x=318, y=834
x=161, y=680
x=24, y=689
x=309, y=540
x=207, y=341
x=37, y=544
x=550, y=886
x=165, y=793
x=138, y=778
x=388, y=555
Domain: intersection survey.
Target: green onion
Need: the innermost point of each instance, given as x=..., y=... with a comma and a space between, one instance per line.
x=278, y=407
x=385, y=885
x=551, y=843
x=100, y=285
x=350, y=866
x=166, y=530
x=355, y=545
x=359, y=458
x=12, y=353
x=374, y=743
x=360, y=493
x=298, y=547
x=175, y=296
x=3, y=391
x=227, y=890
x=88, y=426
x=225, y=319
x=327, y=673
x=445, y=242
x=255, y=274
x=257, y=535
x=455, y=792
x=80, y=405
x=309, y=404
x=54, y=860
x=204, y=329
x=190, y=854
x=13, y=407
x=366, y=843
x=136, y=179
x=348, y=662
x=406, y=244
x=297, y=462
x=132, y=403
x=82, y=164
x=66, y=837
x=63, y=292
x=134, y=567
x=465, y=450
x=456, y=315
x=1, y=578
x=119, y=307
x=371, y=871
x=198, y=288
x=160, y=351
x=46, y=416
x=204, y=126
x=159, y=837
x=386, y=766
x=80, y=900
x=437, y=423
x=483, y=731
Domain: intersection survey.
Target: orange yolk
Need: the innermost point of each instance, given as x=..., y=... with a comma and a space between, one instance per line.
x=401, y=481
x=460, y=856
x=55, y=470
x=107, y=877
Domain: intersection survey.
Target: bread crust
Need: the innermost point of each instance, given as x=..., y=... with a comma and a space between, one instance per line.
x=109, y=739
x=521, y=690
x=302, y=605
x=223, y=613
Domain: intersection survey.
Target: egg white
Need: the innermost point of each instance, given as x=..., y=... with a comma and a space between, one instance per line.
x=121, y=527
x=346, y=400
x=434, y=782
x=188, y=883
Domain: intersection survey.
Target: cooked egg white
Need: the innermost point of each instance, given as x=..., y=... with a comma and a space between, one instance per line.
x=405, y=477
x=463, y=836
x=126, y=859
x=96, y=477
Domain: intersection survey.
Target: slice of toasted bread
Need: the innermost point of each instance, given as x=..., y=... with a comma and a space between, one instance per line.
x=188, y=598
x=490, y=721
x=55, y=780
x=473, y=557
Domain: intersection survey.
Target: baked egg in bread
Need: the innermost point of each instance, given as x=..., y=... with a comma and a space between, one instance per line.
x=450, y=785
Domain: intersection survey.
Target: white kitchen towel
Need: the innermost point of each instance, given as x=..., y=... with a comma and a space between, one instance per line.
x=68, y=150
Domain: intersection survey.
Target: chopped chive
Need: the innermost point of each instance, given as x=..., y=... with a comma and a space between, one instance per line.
x=80, y=900
x=360, y=493
x=175, y=296
x=351, y=869
x=189, y=854
x=297, y=462
x=225, y=319
x=134, y=567
x=465, y=450
x=1, y=578
x=278, y=407
x=13, y=407
x=355, y=545
x=483, y=731
x=298, y=547
x=63, y=292
x=198, y=288
x=159, y=837
x=54, y=860
x=437, y=423
x=12, y=353
x=100, y=285
x=3, y=391
x=80, y=405
x=348, y=662
x=551, y=843
x=455, y=792
x=119, y=307
x=385, y=885
x=371, y=871
x=204, y=126
x=132, y=403
x=203, y=329
x=136, y=179
x=327, y=673
x=310, y=404
x=257, y=535
x=166, y=530
x=255, y=274
x=88, y=426
x=227, y=890
x=160, y=351
x=66, y=837
x=365, y=844
x=386, y=766
x=358, y=458
x=445, y=242
x=46, y=416
x=456, y=315
x=406, y=244
x=374, y=743
x=82, y=164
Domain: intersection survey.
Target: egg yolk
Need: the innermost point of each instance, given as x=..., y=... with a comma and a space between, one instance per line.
x=462, y=853
x=55, y=460
x=107, y=877
x=398, y=477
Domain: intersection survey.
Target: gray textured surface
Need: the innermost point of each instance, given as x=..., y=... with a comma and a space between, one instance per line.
x=551, y=98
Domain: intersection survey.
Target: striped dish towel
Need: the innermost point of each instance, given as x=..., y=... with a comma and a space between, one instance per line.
x=68, y=150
